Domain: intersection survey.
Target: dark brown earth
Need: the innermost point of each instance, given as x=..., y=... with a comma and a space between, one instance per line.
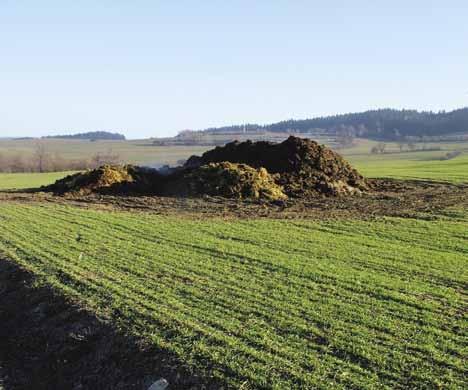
x=49, y=342
x=389, y=198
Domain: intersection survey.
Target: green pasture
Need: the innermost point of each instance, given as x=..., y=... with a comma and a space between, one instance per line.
x=420, y=165
x=14, y=181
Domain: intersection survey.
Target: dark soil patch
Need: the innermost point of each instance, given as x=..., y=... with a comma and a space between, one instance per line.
x=48, y=342
x=389, y=197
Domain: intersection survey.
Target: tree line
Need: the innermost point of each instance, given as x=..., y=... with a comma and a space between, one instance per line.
x=383, y=124
x=92, y=136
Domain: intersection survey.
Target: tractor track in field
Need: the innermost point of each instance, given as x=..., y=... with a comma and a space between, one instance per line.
x=389, y=197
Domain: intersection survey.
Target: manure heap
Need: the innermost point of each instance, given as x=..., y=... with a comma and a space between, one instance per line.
x=295, y=168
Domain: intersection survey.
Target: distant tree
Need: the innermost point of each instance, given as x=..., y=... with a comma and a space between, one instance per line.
x=452, y=154
x=379, y=148
x=17, y=163
x=345, y=135
x=384, y=124
x=3, y=166
x=92, y=135
x=401, y=146
x=108, y=157
x=58, y=163
x=382, y=146
x=361, y=130
x=40, y=156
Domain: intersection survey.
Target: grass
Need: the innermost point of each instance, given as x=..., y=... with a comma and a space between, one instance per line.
x=266, y=303
x=420, y=165
x=12, y=181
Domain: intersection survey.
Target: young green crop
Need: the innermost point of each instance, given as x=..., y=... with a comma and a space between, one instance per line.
x=274, y=304
x=420, y=165
x=17, y=181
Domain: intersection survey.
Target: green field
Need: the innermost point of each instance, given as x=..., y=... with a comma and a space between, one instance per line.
x=421, y=165
x=13, y=181
x=266, y=303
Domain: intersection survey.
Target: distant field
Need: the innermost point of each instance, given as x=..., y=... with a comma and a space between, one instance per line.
x=143, y=152
x=266, y=303
x=134, y=152
x=413, y=166
x=11, y=181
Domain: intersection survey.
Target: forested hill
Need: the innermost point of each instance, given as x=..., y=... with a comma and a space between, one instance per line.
x=92, y=135
x=378, y=124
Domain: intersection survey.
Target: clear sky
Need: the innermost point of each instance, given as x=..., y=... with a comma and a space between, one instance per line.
x=152, y=68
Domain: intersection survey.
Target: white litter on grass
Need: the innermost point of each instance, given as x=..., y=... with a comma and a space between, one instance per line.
x=160, y=384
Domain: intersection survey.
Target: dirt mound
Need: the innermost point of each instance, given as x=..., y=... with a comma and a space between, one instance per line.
x=302, y=166
x=229, y=180
x=296, y=167
x=111, y=179
x=94, y=180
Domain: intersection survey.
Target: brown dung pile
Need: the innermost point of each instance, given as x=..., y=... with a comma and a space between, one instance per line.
x=229, y=180
x=96, y=180
x=111, y=179
x=296, y=167
x=301, y=166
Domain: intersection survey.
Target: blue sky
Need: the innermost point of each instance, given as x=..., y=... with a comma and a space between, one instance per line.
x=152, y=68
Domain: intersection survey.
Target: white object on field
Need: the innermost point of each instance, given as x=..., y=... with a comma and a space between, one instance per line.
x=160, y=384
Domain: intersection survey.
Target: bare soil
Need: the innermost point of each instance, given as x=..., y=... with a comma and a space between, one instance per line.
x=388, y=197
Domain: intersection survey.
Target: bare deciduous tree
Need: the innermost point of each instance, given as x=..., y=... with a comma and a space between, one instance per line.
x=105, y=158
x=17, y=164
x=3, y=167
x=379, y=148
x=345, y=135
x=40, y=156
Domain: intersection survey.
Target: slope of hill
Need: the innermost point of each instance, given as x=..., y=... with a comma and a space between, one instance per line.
x=91, y=135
